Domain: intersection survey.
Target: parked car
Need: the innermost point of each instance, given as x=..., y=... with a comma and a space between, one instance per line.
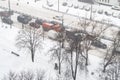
x=94, y=10
x=115, y=15
x=70, y=4
x=6, y=13
x=81, y=7
x=35, y=25
x=76, y=6
x=57, y=17
x=119, y=15
x=99, y=44
x=87, y=8
x=108, y=13
x=49, y=26
x=100, y=11
x=64, y=3
x=54, y=22
x=115, y=8
x=52, y=34
x=73, y=35
x=117, y=50
x=7, y=20
x=28, y=17
x=39, y=21
x=50, y=4
x=24, y=19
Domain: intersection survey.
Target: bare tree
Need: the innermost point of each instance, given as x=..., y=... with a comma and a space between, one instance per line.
x=74, y=54
x=29, y=39
x=40, y=75
x=90, y=31
x=112, y=53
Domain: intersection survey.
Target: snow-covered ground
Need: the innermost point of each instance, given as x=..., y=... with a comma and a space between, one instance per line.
x=10, y=62
x=8, y=35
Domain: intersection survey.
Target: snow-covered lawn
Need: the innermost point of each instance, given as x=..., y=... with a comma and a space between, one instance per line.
x=10, y=62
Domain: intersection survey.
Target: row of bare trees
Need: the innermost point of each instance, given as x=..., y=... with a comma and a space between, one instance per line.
x=76, y=55
x=79, y=44
x=25, y=75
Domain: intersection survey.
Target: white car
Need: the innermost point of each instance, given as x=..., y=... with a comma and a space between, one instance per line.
x=115, y=8
x=87, y=8
x=76, y=6
x=115, y=15
x=81, y=7
x=58, y=18
x=100, y=11
x=94, y=10
x=70, y=4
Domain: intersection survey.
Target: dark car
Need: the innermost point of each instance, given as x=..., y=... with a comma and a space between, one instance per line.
x=35, y=25
x=99, y=44
x=64, y=3
x=7, y=20
x=28, y=17
x=39, y=21
x=108, y=13
x=6, y=13
x=24, y=19
x=73, y=35
x=54, y=22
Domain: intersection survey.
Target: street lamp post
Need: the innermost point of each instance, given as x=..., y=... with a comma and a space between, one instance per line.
x=63, y=17
x=9, y=11
x=9, y=6
x=58, y=5
x=91, y=12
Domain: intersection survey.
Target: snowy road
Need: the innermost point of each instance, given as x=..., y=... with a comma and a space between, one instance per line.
x=32, y=10
x=36, y=10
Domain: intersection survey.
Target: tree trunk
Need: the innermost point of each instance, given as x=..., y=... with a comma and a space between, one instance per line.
x=86, y=63
x=32, y=57
x=59, y=68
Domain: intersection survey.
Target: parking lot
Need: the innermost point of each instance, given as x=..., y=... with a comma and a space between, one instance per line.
x=72, y=21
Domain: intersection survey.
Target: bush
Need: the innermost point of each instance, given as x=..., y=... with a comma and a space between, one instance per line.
x=25, y=75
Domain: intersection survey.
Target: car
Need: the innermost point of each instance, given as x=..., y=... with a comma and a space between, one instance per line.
x=99, y=44
x=52, y=34
x=100, y=11
x=119, y=15
x=87, y=8
x=76, y=6
x=115, y=15
x=54, y=22
x=70, y=4
x=115, y=8
x=6, y=13
x=81, y=7
x=35, y=25
x=117, y=50
x=108, y=13
x=24, y=19
x=73, y=35
x=64, y=3
x=39, y=21
x=94, y=10
x=7, y=20
x=50, y=4
x=28, y=17
x=57, y=17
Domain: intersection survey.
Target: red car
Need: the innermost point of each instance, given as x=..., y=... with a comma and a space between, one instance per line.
x=35, y=25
